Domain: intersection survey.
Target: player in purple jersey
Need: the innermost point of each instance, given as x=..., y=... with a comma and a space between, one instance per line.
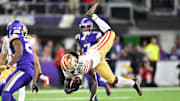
x=86, y=39
x=24, y=57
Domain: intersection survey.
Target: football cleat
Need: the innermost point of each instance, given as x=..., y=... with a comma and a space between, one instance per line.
x=137, y=87
x=91, y=11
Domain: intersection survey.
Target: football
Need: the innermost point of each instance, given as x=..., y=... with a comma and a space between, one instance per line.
x=75, y=82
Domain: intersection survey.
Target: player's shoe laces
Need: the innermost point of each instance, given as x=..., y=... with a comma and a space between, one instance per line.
x=108, y=90
x=137, y=87
x=91, y=11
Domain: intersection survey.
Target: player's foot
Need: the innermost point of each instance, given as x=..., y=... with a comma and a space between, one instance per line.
x=137, y=87
x=108, y=90
x=91, y=11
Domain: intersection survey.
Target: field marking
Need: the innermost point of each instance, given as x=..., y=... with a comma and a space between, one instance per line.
x=103, y=90
x=78, y=98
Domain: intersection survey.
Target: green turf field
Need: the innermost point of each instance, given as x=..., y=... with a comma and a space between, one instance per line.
x=118, y=94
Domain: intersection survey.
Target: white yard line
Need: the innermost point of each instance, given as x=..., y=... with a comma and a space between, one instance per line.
x=113, y=90
x=78, y=98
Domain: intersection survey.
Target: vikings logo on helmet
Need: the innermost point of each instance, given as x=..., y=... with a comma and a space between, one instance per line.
x=86, y=26
x=69, y=63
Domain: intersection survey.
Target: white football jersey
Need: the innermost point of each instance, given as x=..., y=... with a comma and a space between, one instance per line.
x=88, y=60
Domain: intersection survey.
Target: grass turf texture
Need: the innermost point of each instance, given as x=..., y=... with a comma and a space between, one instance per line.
x=118, y=94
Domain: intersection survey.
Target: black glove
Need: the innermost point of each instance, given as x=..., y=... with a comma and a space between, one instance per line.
x=35, y=88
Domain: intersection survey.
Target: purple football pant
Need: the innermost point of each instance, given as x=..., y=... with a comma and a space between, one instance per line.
x=15, y=81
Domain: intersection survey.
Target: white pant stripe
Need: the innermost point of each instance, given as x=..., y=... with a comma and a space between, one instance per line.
x=14, y=81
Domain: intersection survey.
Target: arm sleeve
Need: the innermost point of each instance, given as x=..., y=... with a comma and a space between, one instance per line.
x=103, y=26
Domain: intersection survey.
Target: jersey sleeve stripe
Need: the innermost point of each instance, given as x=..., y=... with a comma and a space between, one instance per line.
x=104, y=41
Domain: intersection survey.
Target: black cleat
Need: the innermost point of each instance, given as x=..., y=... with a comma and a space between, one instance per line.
x=137, y=87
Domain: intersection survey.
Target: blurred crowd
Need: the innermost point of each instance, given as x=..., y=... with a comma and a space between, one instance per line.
x=143, y=57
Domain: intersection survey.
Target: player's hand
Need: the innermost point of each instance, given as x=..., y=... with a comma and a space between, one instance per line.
x=91, y=11
x=44, y=78
x=35, y=88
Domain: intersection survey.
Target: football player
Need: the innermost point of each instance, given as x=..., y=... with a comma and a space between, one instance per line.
x=93, y=60
x=22, y=54
x=6, y=53
x=33, y=44
x=86, y=39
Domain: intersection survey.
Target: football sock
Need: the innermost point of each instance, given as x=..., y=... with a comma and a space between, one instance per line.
x=122, y=81
x=21, y=93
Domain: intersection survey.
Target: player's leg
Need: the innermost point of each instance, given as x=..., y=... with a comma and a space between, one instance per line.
x=1, y=88
x=15, y=81
x=21, y=93
x=102, y=83
x=104, y=70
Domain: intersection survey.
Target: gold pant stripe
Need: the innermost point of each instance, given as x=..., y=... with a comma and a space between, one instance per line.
x=104, y=41
x=11, y=79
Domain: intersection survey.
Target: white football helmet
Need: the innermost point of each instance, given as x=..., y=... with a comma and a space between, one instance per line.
x=69, y=63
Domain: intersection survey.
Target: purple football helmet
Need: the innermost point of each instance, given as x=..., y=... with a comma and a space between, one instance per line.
x=86, y=26
x=16, y=27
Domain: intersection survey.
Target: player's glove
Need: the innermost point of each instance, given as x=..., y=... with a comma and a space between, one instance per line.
x=44, y=78
x=35, y=88
x=91, y=11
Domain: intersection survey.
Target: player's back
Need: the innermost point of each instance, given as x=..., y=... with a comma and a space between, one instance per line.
x=26, y=61
x=86, y=41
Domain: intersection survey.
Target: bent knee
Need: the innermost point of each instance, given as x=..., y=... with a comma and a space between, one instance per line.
x=111, y=80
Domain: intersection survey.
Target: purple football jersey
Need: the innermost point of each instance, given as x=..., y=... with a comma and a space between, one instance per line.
x=86, y=41
x=26, y=61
